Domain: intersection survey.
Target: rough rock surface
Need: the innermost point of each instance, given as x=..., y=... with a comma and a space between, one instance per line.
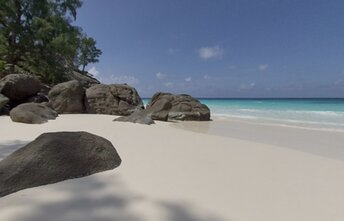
x=38, y=98
x=85, y=79
x=32, y=113
x=166, y=106
x=114, y=99
x=159, y=109
x=54, y=157
x=3, y=101
x=19, y=86
x=67, y=97
x=140, y=116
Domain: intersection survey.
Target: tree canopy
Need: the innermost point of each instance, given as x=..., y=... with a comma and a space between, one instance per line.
x=37, y=37
x=88, y=52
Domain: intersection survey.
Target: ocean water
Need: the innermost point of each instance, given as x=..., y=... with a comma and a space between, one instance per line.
x=317, y=113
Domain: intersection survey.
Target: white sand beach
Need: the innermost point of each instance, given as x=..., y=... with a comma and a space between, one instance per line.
x=238, y=171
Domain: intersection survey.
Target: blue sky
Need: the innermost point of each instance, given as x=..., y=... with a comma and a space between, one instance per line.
x=220, y=48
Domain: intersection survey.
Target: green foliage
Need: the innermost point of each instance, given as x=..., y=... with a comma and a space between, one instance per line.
x=37, y=37
x=88, y=52
x=2, y=68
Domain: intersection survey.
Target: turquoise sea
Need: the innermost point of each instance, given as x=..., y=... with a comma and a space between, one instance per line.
x=316, y=112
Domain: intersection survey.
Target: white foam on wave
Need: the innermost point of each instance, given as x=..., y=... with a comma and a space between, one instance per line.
x=328, y=120
x=229, y=115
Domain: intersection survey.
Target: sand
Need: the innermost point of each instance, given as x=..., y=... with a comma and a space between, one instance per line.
x=173, y=174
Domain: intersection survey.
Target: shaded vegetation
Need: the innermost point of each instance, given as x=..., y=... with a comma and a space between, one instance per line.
x=37, y=37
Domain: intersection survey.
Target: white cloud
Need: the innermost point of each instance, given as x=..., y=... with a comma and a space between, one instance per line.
x=263, y=67
x=168, y=84
x=121, y=79
x=247, y=86
x=172, y=51
x=93, y=71
x=210, y=77
x=210, y=52
x=338, y=82
x=160, y=75
x=206, y=77
x=188, y=79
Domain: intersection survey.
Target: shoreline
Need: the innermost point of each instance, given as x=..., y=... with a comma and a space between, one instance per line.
x=328, y=143
x=282, y=123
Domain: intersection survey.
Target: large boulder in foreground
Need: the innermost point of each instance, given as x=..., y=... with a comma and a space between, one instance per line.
x=54, y=157
x=67, y=97
x=166, y=106
x=19, y=86
x=113, y=99
x=32, y=113
x=139, y=116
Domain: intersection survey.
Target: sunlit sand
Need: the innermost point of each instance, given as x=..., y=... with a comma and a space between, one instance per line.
x=174, y=174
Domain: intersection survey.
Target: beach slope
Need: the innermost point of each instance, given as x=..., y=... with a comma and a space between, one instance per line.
x=178, y=175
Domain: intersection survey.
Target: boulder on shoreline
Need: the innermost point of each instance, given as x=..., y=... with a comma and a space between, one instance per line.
x=32, y=113
x=54, y=157
x=67, y=97
x=19, y=86
x=139, y=116
x=113, y=99
x=166, y=106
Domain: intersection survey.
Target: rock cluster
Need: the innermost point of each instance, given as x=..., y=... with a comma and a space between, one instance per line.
x=169, y=107
x=113, y=99
x=87, y=95
x=54, y=157
x=166, y=106
x=16, y=89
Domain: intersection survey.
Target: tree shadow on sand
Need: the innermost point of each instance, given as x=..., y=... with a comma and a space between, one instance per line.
x=82, y=199
x=99, y=197
x=185, y=212
x=87, y=201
